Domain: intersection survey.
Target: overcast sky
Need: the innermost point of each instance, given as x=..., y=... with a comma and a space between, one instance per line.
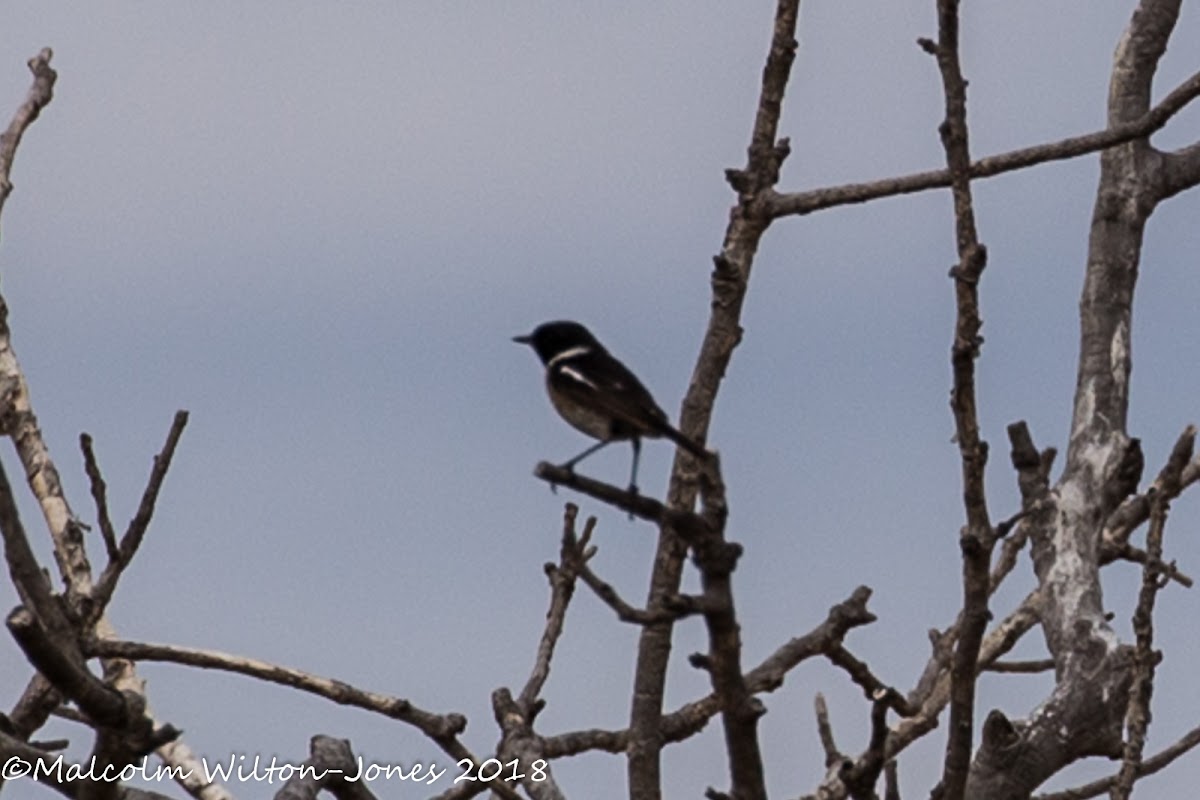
x=316, y=226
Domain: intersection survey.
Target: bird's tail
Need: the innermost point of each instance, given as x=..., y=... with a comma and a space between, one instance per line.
x=691, y=446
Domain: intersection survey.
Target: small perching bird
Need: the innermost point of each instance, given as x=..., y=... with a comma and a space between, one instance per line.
x=598, y=394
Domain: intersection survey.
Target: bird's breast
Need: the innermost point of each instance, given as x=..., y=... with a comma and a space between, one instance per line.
x=581, y=416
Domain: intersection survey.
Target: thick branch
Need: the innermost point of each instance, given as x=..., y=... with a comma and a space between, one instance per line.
x=730, y=279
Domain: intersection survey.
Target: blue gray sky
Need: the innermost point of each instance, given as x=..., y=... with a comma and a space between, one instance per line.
x=316, y=226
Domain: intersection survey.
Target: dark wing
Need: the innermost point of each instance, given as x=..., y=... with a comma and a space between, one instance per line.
x=598, y=381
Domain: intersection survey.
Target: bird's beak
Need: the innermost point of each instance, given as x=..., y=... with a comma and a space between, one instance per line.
x=526, y=339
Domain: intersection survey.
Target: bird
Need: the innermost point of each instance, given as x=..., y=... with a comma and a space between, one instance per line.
x=598, y=395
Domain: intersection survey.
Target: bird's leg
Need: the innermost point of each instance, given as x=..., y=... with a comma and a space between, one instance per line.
x=637, y=451
x=570, y=465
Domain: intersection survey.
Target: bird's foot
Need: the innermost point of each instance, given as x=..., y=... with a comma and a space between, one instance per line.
x=566, y=466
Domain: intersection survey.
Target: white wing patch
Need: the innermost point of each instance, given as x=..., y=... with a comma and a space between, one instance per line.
x=571, y=353
x=576, y=375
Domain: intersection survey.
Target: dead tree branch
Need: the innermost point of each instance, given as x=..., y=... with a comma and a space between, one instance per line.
x=1156, y=763
x=1137, y=716
x=768, y=676
x=730, y=278
x=100, y=497
x=132, y=538
x=1118, y=133
x=435, y=726
x=1083, y=715
x=39, y=96
x=977, y=539
x=329, y=765
x=574, y=554
x=18, y=422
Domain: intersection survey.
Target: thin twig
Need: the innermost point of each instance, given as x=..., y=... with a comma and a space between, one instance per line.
x=100, y=495
x=132, y=538
x=1137, y=715
x=825, y=732
x=574, y=553
x=1136, y=555
x=625, y=611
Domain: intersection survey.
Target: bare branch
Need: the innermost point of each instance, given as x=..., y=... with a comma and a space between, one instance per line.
x=518, y=741
x=1137, y=716
x=562, y=584
x=39, y=96
x=859, y=777
x=34, y=707
x=132, y=538
x=933, y=691
x=1021, y=667
x=435, y=726
x=442, y=729
x=730, y=279
x=807, y=202
x=1136, y=555
x=891, y=780
x=1134, y=511
x=99, y=702
x=1180, y=170
x=1151, y=765
x=1136, y=60
x=638, y=505
x=328, y=767
x=625, y=612
x=872, y=687
x=825, y=732
x=1083, y=715
x=768, y=676
x=18, y=421
x=27, y=575
x=977, y=539
x=100, y=497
